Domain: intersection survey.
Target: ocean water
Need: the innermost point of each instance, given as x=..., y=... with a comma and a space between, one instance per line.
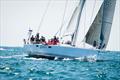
x=14, y=65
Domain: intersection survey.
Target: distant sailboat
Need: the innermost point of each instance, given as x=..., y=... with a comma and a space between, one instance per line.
x=85, y=40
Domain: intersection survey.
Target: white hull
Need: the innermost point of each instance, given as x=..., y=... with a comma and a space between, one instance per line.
x=64, y=51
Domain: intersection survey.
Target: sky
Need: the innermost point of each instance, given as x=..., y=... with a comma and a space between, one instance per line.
x=17, y=16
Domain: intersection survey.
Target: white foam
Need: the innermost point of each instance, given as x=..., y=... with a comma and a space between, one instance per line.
x=2, y=49
x=91, y=58
x=35, y=58
x=67, y=59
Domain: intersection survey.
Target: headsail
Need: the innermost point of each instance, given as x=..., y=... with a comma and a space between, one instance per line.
x=95, y=29
x=85, y=25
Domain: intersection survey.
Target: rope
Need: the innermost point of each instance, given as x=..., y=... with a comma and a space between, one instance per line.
x=62, y=23
x=43, y=16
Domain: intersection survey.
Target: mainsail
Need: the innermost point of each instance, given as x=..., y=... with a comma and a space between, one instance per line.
x=114, y=39
x=70, y=29
x=108, y=13
x=100, y=29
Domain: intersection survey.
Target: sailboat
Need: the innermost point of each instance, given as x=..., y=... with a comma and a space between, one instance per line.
x=85, y=39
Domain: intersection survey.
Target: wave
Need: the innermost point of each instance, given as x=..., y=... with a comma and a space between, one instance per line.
x=93, y=58
x=7, y=49
x=13, y=56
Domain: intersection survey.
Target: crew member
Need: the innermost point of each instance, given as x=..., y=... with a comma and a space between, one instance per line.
x=37, y=38
x=94, y=44
x=42, y=40
x=32, y=39
x=55, y=40
x=24, y=41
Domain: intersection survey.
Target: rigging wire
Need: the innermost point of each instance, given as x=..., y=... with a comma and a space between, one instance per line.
x=42, y=19
x=62, y=23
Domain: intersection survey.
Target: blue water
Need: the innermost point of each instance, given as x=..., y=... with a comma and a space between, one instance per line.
x=14, y=65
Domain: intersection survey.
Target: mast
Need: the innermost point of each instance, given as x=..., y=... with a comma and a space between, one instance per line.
x=82, y=2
